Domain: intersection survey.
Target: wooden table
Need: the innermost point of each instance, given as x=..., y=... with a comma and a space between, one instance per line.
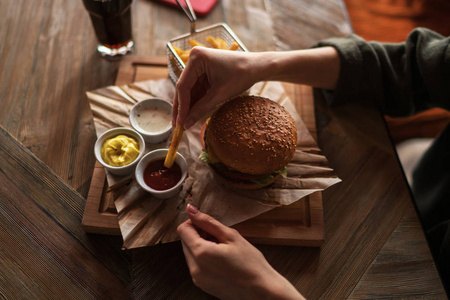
x=374, y=246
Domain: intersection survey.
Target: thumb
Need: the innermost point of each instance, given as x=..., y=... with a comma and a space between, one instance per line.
x=208, y=224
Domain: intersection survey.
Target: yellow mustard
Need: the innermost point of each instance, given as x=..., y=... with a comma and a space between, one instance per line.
x=120, y=150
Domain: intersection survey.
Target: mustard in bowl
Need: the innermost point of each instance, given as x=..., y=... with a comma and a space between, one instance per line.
x=119, y=150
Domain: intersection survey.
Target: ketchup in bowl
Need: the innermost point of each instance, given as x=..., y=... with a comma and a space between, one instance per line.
x=159, y=177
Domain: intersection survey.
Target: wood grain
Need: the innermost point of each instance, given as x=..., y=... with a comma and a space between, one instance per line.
x=44, y=251
x=45, y=70
x=396, y=256
x=100, y=214
x=382, y=201
x=301, y=24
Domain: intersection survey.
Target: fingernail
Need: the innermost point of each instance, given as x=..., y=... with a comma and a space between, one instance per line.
x=191, y=209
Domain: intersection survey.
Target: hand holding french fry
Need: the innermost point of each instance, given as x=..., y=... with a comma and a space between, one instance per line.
x=211, y=77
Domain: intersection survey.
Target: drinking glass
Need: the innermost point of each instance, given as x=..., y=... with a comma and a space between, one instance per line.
x=111, y=20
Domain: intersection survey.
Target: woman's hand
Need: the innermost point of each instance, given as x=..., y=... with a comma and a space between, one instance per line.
x=211, y=76
x=224, y=264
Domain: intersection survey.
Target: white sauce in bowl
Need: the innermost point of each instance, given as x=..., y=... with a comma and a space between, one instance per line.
x=153, y=119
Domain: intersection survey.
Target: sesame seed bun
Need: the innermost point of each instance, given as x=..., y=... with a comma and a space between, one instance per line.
x=252, y=136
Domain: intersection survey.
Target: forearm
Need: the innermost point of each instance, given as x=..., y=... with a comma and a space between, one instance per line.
x=318, y=67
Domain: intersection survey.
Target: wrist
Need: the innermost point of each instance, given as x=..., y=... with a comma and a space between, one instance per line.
x=264, y=66
x=272, y=285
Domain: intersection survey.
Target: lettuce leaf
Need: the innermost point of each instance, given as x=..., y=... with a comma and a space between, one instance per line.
x=265, y=180
x=204, y=157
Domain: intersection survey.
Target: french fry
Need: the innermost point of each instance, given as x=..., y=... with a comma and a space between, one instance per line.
x=184, y=57
x=234, y=46
x=178, y=50
x=172, y=153
x=222, y=44
x=194, y=43
x=212, y=41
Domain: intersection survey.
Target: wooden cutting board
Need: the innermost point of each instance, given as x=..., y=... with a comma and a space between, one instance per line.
x=300, y=223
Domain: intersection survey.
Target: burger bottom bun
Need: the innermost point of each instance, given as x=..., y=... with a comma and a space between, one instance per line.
x=241, y=185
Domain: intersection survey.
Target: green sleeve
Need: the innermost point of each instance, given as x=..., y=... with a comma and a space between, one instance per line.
x=403, y=78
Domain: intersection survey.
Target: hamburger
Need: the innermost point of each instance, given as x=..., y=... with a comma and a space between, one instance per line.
x=248, y=141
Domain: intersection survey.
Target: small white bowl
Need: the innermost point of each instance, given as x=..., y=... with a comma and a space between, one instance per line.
x=160, y=154
x=123, y=170
x=142, y=122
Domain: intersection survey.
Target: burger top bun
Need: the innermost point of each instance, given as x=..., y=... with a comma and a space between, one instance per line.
x=251, y=135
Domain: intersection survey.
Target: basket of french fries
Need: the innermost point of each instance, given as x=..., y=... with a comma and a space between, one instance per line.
x=218, y=36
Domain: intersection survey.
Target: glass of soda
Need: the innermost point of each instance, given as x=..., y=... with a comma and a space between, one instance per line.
x=111, y=20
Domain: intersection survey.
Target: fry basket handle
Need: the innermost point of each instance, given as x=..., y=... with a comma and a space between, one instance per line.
x=190, y=14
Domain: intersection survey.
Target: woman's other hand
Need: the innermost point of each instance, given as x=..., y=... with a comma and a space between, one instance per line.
x=224, y=264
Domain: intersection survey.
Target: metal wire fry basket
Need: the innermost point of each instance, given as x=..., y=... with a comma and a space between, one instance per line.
x=219, y=30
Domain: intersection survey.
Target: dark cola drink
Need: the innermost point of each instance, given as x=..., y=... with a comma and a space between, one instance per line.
x=111, y=20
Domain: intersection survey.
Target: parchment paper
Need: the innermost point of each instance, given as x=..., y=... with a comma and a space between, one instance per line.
x=145, y=220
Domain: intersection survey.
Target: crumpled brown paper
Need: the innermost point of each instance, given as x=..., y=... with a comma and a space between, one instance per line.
x=145, y=220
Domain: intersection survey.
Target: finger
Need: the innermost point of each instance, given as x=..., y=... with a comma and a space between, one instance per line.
x=188, y=233
x=206, y=105
x=175, y=109
x=198, y=92
x=190, y=259
x=200, y=109
x=192, y=236
x=185, y=84
x=199, y=89
x=205, y=222
x=183, y=103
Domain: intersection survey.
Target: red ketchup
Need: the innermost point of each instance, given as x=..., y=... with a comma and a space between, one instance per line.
x=159, y=177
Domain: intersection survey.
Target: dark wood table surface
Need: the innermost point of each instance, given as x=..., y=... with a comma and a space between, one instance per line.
x=374, y=246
